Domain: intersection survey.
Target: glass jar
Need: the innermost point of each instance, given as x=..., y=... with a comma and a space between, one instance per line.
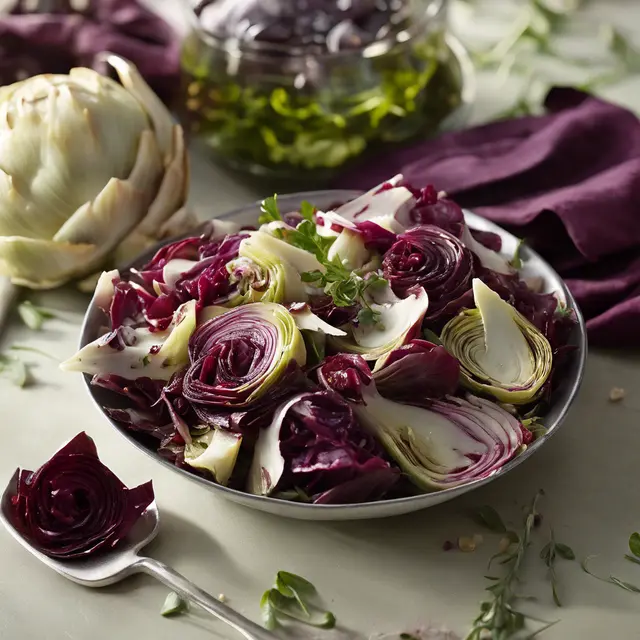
x=289, y=110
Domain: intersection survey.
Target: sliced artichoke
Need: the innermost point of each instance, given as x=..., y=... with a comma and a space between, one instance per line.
x=501, y=353
x=268, y=270
x=453, y=442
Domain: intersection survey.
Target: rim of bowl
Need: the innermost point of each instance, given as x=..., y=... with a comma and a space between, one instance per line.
x=579, y=340
x=234, y=47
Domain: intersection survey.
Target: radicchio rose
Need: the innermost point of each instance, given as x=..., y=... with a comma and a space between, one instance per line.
x=315, y=444
x=74, y=506
x=429, y=257
x=237, y=357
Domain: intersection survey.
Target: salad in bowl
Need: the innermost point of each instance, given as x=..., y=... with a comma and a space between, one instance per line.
x=373, y=350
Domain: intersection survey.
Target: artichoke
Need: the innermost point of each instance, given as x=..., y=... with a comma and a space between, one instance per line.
x=452, y=442
x=501, y=353
x=90, y=171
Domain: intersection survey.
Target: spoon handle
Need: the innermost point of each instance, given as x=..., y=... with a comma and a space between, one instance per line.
x=190, y=591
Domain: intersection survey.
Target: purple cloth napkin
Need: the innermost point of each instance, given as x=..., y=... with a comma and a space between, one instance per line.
x=61, y=38
x=568, y=182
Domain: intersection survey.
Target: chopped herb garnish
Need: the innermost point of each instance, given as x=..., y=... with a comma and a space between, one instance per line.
x=307, y=210
x=549, y=554
x=516, y=261
x=33, y=316
x=269, y=211
x=174, y=605
x=634, y=544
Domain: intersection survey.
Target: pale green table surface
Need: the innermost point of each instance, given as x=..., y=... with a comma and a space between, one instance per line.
x=376, y=576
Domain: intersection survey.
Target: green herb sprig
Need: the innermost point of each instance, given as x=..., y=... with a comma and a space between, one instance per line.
x=346, y=288
x=290, y=598
x=498, y=618
x=33, y=316
x=627, y=586
x=174, y=605
x=550, y=552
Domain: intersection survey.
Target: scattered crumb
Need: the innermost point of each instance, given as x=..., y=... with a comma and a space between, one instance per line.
x=442, y=194
x=478, y=539
x=447, y=545
x=222, y=597
x=505, y=543
x=616, y=394
x=466, y=544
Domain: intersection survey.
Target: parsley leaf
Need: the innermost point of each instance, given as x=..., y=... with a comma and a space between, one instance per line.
x=269, y=211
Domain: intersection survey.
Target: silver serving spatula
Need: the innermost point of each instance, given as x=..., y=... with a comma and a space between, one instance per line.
x=123, y=561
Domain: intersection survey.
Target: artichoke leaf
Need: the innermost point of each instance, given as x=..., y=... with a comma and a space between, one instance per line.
x=172, y=192
x=43, y=264
x=160, y=117
x=116, y=210
x=501, y=353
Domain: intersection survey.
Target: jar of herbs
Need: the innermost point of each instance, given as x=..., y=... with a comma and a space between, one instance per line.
x=302, y=88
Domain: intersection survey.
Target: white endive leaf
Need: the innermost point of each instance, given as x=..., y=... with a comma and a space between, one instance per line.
x=349, y=247
x=397, y=202
x=216, y=451
x=489, y=258
x=267, y=465
x=397, y=322
x=131, y=362
x=395, y=319
x=311, y=322
x=151, y=354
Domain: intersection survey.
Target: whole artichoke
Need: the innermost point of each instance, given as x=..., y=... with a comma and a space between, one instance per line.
x=91, y=172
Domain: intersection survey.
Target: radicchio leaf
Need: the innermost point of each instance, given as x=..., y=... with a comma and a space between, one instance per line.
x=74, y=506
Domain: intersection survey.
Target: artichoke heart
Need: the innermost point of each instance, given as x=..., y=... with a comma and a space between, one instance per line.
x=501, y=353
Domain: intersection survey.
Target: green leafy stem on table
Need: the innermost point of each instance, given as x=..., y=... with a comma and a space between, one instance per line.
x=12, y=366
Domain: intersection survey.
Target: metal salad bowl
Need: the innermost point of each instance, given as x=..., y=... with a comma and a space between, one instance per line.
x=562, y=398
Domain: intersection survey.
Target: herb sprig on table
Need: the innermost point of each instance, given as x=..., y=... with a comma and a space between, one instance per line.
x=550, y=552
x=291, y=598
x=346, y=288
x=498, y=618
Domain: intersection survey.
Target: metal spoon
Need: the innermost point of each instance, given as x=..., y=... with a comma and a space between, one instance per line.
x=123, y=561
